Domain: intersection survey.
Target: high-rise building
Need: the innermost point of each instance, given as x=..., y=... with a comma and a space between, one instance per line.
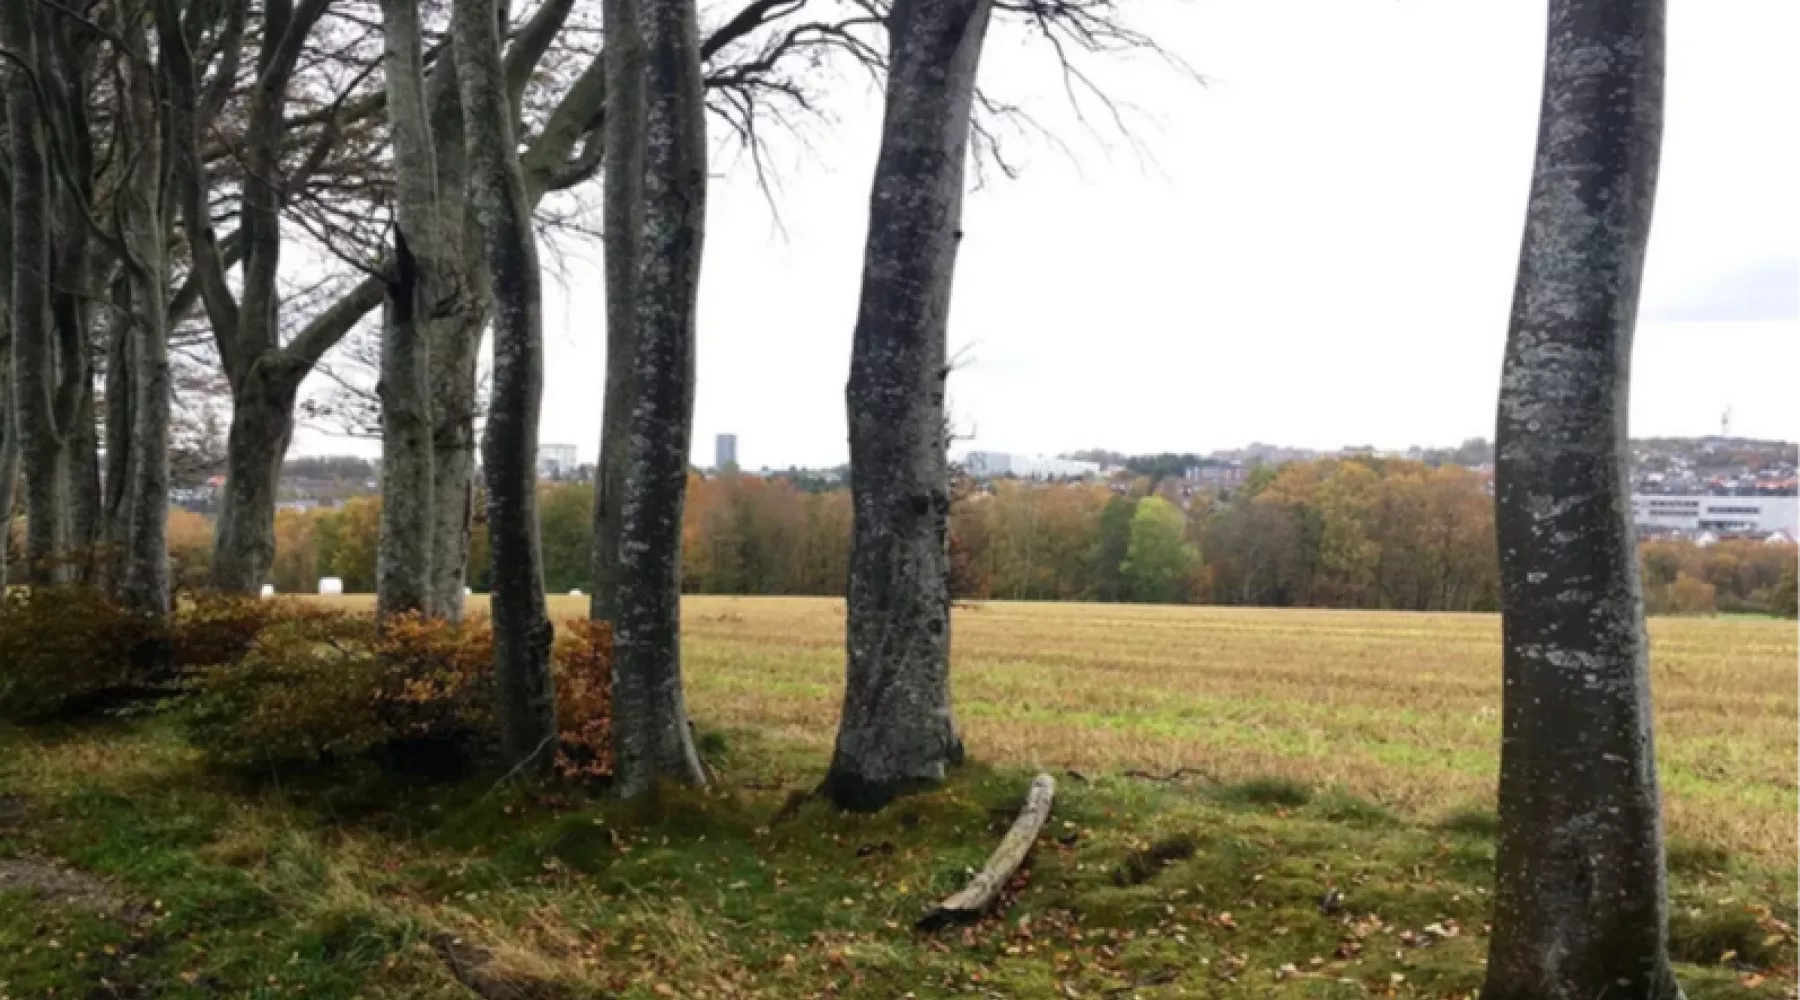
x=725, y=452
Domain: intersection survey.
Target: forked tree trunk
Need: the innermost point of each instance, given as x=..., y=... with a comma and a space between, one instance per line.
x=896, y=731
x=414, y=291
x=522, y=630
x=651, y=738
x=1580, y=904
x=262, y=421
x=623, y=233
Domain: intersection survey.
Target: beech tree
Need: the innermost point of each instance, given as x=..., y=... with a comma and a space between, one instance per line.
x=143, y=391
x=264, y=369
x=896, y=731
x=415, y=288
x=651, y=737
x=522, y=630
x=622, y=210
x=9, y=433
x=38, y=421
x=1580, y=902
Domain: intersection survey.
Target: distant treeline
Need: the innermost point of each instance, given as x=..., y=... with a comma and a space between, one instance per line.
x=1330, y=533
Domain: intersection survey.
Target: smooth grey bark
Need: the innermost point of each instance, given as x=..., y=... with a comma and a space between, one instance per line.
x=462, y=305
x=896, y=732
x=9, y=432
x=115, y=511
x=652, y=742
x=415, y=289
x=33, y=351
x=144, y=582
x=262, y=423
x=455, y=351
x=522, y=631
x=81, y=453
x=65, y=54
x=1580, y=902
x=622, y=207
x=453, y=373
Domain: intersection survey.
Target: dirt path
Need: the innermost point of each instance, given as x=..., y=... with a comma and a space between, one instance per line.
x=57, y=883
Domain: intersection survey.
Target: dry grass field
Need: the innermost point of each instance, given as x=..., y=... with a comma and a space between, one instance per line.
x=1399, y=707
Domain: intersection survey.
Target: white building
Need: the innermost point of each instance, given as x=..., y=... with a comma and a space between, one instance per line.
x=1722, y=515
x=995, y=464
x=555, y=460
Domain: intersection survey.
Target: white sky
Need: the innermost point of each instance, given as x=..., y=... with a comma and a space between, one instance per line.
x=1314, y=248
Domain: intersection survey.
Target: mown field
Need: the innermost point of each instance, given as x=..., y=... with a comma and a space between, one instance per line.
x=1221, y=770
x=1403, y=708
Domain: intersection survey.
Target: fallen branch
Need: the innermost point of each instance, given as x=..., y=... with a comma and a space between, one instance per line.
x=982, y=890
x=1175, y=775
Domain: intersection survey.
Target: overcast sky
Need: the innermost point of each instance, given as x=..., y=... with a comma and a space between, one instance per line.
x=1313, y=247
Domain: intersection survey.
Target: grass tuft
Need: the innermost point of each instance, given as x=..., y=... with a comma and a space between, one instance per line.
x=1472, y=823
x=1278, y=792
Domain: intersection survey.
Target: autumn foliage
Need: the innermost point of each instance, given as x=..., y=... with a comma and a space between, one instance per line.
x=322, y=685
x=63, y=645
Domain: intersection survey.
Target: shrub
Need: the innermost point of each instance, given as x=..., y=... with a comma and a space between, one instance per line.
x=583, y=665
x=65, y=645
x=213, y=629
x=314, y=685
x=436, y=683
x=307, y=688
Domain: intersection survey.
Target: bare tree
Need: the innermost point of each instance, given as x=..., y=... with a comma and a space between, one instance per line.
x=651, y=737
x=896, y=731
x=522, y=630
x=264, y=371
x=1580, y=905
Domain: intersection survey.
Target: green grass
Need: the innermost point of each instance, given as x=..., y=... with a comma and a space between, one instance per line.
x=347, y=884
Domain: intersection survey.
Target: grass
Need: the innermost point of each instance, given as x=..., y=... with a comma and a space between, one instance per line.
x=1326, y=750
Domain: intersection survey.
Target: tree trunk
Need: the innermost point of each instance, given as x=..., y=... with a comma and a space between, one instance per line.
x=453, y=364
x=522, y=630
x=82, y=453
x=144, y=587
x=1580, y=900
x=115, y=513
x=651, y=737
x=40, y=444
x=896, y=731
x=9, y=430
x=145, y=584
x=622, y=233
x=262, y=421
x=414, y=291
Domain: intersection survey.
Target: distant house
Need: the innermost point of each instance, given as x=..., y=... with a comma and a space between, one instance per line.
x=556, y=461
x=1000, y=464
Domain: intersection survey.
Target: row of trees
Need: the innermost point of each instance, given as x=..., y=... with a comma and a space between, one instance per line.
x=236, y=187
x=137, y=129
x=1417, y=539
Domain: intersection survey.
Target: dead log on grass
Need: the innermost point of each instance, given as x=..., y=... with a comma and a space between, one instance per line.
x=980, y=894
